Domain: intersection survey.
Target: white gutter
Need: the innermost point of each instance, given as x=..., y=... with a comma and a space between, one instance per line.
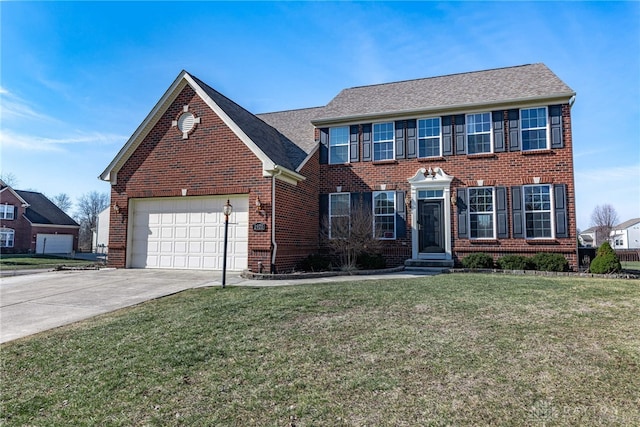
x=274, y=244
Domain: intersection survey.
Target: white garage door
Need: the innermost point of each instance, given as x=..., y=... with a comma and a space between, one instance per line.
x=54, y=243
x=188, y=233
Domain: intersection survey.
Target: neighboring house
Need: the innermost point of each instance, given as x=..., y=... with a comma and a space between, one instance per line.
x=588, y=238
x=101, y=232
x=446, y=166
x=626, y=235
x=31, y=223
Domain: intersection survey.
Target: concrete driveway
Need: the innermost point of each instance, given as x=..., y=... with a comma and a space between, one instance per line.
x=34, y=303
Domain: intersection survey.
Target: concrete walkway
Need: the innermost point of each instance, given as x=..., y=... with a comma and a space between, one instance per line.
x=38, y=302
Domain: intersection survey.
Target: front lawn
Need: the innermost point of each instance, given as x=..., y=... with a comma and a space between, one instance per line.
x=445, y=350
x=20, y=262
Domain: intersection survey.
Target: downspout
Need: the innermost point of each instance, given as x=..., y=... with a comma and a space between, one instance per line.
x=274, y=245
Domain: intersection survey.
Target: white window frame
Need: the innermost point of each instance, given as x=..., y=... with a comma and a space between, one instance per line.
x=333, y=144
x=438, y=137
x=546, y=127
x=10, y=234
x=550, y=212
x=5, y=210
x=474, y=133
x=492, y=212
x=384, y=141
x=391, y=196
x=333, y=215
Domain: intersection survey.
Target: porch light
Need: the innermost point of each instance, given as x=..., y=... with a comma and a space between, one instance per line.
x=226, y=211
x=116, y=208
x=258, y=204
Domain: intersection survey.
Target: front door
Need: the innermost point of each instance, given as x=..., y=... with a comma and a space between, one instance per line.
x=431, y=234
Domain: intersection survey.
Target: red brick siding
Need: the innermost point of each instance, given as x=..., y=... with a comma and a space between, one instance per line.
x=500, y=169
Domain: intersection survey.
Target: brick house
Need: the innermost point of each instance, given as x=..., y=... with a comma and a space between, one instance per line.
x=447, y=166
x=31, y=223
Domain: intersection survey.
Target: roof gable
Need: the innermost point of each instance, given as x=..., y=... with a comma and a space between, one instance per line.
x=41, y=210
x=500, y=86
x=274, y=149
x=627, y=224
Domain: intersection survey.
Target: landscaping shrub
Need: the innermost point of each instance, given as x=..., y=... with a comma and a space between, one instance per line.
x=550, y=262
x=478, y=260
x=606, y=261
x=315, y=262
x=515, y=262
x=367, y=261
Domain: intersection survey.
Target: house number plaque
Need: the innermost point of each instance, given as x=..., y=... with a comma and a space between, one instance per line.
x=259, y=226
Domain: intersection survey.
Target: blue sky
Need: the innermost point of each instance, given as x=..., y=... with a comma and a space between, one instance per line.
x=78, y=78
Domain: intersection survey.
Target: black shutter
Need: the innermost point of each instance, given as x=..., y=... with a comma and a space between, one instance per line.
x=501, y=212
x=498, y=131
x=447, y=143
x=354, y=144
x=517, y=213
x=463, y=229
x=555, y=119
x=461, y=139
x=366, y=142
x=324, y=215
x=401, y=215
x=514, y=130
x=560, y=195
x=324, y=146
x=412, y=145
x=399, y=132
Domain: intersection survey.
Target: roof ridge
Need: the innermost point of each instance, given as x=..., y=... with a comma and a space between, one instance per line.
x=444, y=75
x=292, y=110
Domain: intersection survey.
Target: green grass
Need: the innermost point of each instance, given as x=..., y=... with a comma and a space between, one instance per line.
x=446, y=350
x=630, y=265
x=18, y=262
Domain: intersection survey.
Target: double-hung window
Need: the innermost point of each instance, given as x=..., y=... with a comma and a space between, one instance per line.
x=339, y=145
x=482, y=213
x=7, y=211
x=383, y=141
x=6, y=237
x=339, y=215
x=429, y=137
x=479, y=133
x=537, y=210
x=384, y=214
x=534, y=128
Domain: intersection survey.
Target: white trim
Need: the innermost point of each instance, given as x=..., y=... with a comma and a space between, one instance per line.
x=374, y=215
x=439, y=137
x=467, y=134
x=493, y=212
x=547, y=128
x=348, y=144
x=23, y=202
x=329, y=215
x=552, y=210
x=373, y=141
x=437, y=180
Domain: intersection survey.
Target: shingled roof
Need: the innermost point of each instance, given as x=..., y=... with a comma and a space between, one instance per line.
x=280, y=149
x=295, y=125
x=496, y=86
x=43, y=211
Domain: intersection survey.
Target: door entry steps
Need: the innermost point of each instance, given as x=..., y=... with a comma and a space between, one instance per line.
x=428, y=265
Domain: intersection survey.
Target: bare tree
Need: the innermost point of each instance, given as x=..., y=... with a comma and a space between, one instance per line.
x=8, y=178
x=89, y=207
x=351, y=235
x=603, y=218
x=63, y=201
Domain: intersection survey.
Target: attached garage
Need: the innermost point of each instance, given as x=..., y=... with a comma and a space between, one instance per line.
x=187, y=233
x=54, y=243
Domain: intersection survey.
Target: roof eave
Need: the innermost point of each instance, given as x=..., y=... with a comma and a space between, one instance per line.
x=448, y=109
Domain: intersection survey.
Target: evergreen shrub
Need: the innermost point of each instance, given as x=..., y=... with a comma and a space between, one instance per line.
x=544, y=261
x=516, y=262
x=478, y=260
x=606, y=261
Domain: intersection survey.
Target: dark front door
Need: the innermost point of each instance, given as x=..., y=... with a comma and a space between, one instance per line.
x=430, y=227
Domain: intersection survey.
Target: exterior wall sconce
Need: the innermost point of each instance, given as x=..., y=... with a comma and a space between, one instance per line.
x=407, y=201
x=454, y=200
x=116, y=208
x=258, y=205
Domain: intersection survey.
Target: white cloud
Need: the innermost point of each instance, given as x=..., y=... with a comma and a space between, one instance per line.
x=13, y=107
x=19, y=141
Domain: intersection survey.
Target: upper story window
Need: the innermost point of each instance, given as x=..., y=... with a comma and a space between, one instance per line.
x=537, y=208
x=534, y=128
x=339, y=145
x=6, y=237
x=429, y=137
x=481, y=213
x=339, y=215
x=479, y=133
x=384, y=214
x=7, y=212
x=383, y=141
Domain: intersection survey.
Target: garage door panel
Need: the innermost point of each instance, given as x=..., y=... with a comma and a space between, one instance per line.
x=188, y=233
x=54, y=243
